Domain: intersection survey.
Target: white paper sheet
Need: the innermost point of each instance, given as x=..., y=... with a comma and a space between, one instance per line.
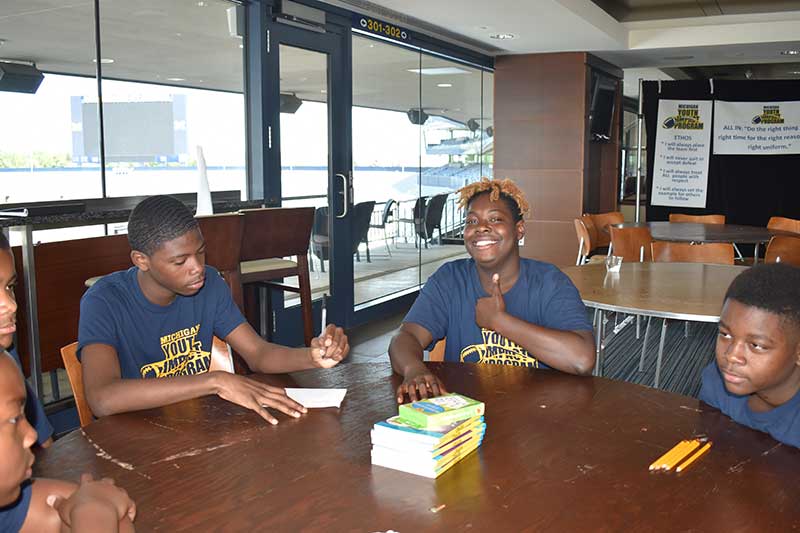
x=312, y=398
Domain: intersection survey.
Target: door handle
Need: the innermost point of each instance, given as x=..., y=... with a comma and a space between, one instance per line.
x=345, y=189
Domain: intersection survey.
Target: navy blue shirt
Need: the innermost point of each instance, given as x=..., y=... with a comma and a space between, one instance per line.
x=542, y=295
x=13, y=516
x=34, y=411
x=154, y=341
x=782, y=422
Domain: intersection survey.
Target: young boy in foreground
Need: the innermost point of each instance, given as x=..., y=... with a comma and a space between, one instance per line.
x=157, y=320
x=494, y=307
x=755, y=378
x=41, y=505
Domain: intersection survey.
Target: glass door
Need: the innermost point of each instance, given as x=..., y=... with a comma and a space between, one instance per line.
x=310, y=165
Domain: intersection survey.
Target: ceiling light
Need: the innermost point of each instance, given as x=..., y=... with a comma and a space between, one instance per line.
x=438, y=71
x=2, y=42
x=795, y=72
x=323, y=91
x=241, y=46
x=176, y=79
x=444, y=85
x=104, y=60
x=790, y=52
x=503, y=36
x=202, y=4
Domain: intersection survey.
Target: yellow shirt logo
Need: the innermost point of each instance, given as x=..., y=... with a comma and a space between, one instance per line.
x=497, y=350
x=183, y=356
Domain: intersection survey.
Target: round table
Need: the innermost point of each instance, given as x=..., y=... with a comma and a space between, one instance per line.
x=697, y=232
x=680, y=291
x=561, y=453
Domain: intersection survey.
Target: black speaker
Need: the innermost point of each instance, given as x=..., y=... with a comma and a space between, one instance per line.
x=17, y=78
x=290, y=103
x=417, y=116
x=473, y=125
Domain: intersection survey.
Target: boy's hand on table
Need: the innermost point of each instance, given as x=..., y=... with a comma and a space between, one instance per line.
x=329, y=348
x=420, y=383
x=256, y=396
x=95, y=499
x=487, y=309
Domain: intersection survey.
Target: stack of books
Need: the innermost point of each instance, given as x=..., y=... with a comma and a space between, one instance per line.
x=428, y=437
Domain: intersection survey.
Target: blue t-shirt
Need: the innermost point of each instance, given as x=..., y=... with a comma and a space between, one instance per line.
x=782, y=422
x=154, y=341
x=34, y=411
x=13, y=516
x=542, y=295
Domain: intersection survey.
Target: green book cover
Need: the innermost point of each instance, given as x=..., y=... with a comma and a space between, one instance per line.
x=441, y=410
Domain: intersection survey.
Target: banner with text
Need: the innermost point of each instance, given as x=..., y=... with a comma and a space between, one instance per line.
x=683, y=139
x=756, y=128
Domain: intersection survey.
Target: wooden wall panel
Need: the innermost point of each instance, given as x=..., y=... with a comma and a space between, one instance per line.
x=542, y=142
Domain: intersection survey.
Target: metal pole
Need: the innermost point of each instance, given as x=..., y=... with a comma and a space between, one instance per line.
x=622, y=174
x=639, y=120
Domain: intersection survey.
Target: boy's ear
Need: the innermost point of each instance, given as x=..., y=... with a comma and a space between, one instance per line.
x=520, y=230
x=141, y=260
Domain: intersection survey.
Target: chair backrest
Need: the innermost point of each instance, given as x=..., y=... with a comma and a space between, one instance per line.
x=684, y=252
x=388, y=210
x=419, y=208
x=588, y=222
x=223, y=237
x=629, y=243
x=583, y=233
x=601, y=221
x=437, y=353
x=784, y=224
x=700, y=219
x=783, y=249
x=362, y=215
x=433, y=213
x=320, y=235
x=276, y=232
x=220, y=360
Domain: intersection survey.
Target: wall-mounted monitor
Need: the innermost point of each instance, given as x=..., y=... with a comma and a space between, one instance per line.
x=601, y=108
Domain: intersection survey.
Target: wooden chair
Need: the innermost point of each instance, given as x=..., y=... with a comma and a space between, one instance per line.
x=784, y=224
x=220, y=360
x=633, y=244
x=591, y=229
x=223, y=237
x=584, y=242
x=437, y=353
x=268, y=236
x=699, y=219
x=684, y=252
x=601, y=221
x=783, y=249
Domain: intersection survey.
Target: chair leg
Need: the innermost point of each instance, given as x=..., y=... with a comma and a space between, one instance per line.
x=579, y=260
x=304, y=283
x=368, y=258
x=386, y=242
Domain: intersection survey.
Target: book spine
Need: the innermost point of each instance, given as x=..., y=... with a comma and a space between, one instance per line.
x=448, y=417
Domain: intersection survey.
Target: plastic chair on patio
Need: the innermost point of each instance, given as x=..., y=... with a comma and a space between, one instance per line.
x=386, y=217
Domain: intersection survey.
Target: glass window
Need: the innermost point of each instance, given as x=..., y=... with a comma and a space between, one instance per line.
x=37, y=159
x=182, y=66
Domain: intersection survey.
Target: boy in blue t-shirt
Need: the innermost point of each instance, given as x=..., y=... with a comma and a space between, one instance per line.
x=494, y=307
x=145, y=334
x=40, y=505
x=755, y=378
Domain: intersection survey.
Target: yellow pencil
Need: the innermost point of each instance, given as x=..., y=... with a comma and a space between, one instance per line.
x=693, y=444
x=694, y=457
x=658, y=462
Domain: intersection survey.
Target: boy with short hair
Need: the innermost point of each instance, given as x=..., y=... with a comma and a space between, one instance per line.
x=40, y=505
x=494, y=307
x=157, y=320
x=755, y=378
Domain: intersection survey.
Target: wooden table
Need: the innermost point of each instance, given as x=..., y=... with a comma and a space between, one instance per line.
x=697, y=232
x=562, y=453
x=680, y=291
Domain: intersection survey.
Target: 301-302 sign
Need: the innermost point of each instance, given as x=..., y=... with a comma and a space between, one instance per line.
x=377, y=27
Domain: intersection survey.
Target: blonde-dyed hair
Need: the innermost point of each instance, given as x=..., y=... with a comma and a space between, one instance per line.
x=497, y=189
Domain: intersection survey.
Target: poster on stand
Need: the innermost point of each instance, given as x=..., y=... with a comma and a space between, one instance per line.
x=756, y=128
x=683, y=142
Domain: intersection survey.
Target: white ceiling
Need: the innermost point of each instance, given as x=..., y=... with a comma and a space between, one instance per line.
x=580, y=25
